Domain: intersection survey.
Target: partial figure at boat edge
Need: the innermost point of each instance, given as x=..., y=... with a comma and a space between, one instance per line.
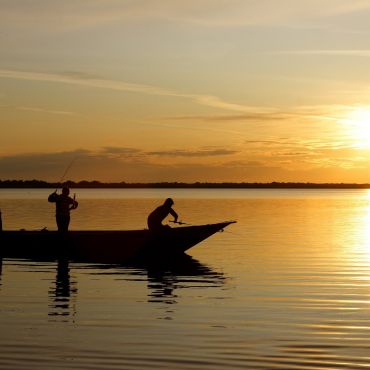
x=157, y=216
x=63, y=205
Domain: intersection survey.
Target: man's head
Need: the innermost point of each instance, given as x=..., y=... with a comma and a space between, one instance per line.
x=65, y=190
x=169, y=202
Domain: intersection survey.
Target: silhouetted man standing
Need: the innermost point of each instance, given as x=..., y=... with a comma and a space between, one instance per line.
x=64, y=204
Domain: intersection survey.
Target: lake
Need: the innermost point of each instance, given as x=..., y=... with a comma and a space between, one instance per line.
x=286, y=287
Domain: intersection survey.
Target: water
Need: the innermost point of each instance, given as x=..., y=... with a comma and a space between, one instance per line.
x=287, y=287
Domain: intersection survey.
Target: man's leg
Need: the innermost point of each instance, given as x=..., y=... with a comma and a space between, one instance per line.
x=63, y=223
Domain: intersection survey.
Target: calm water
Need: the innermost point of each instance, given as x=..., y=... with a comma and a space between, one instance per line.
x=287, y=287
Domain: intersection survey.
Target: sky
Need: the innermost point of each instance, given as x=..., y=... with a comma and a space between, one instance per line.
x=174, y=90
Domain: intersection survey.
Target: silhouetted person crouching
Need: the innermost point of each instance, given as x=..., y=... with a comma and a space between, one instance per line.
x=160, y=213
x=64, y=204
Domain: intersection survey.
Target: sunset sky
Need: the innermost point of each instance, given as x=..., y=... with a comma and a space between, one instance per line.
x=175, y=90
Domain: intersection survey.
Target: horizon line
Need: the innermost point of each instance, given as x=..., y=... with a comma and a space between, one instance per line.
x=34, y=183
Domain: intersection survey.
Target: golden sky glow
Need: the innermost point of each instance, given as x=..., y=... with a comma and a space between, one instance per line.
x=163, y=90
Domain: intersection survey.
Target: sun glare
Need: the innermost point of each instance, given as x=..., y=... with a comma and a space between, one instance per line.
x=358, y=126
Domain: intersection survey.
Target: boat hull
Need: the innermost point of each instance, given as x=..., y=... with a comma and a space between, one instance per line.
x=104, y=246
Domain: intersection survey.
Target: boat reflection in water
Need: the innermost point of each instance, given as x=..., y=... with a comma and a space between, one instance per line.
x=184, y=272
x=163, y=280
x=165, y=276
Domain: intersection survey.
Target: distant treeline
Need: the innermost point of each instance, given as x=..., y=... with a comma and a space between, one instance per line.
x=21, y=184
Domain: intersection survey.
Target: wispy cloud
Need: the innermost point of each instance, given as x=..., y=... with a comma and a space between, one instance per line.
x=76, y=14
x=328, y=52
x=315, y=146
x=77, y=78
x=83, y=80
x=331, y=112
x=259, y=115
x=120, y=150
x=215, y=102
x=42, y=110
x=193, y=153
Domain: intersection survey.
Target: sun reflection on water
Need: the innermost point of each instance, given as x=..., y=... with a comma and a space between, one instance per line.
x=365, y=228
x=358, y=250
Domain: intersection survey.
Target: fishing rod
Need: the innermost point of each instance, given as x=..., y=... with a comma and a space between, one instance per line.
x=180, y=222
x=65, y=172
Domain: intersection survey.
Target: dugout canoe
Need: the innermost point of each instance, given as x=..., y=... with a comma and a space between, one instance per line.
x=104, y=245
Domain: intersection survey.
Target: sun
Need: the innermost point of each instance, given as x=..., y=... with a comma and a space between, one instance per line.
x=357, y=123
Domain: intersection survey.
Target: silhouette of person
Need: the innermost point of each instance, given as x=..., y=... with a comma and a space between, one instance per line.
x=64, y=290
x=64, y=204
x=160, y=213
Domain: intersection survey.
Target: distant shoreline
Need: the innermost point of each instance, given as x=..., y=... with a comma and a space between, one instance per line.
x=39, y=184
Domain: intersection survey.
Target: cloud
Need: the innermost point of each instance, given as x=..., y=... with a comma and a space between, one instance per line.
x=120, y=150
x=79, y=75
x=78, y=14
x=53, y=165
x=215, y=102
x=36, y=164
x=340, y=52
x=315, y=146
x=193, y=153
x=259, y=115
x=330, y=113
x=76, y=78
x=121, y=153
x=249, y=113
x=42, y=110
x=99, y=165
x=282, y=164
x=282, y=141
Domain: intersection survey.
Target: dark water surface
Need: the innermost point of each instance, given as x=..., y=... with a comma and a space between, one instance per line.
x=287, y=287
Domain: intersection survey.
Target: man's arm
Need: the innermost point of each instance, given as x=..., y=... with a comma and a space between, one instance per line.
x=73, y=204
x=53, y=197
x=174, y=214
